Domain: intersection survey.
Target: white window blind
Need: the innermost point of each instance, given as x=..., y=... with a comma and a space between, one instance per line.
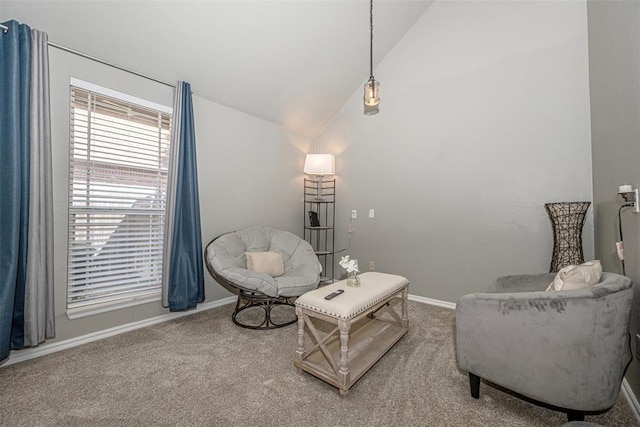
x=117, y=187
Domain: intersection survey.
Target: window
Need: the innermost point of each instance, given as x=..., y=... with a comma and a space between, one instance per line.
x=117, y=187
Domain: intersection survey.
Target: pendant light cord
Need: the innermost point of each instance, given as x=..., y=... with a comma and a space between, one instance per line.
x=371, y=40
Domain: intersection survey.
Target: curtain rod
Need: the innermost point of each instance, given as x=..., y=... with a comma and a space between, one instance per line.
x=102, y=61
x=5, y=30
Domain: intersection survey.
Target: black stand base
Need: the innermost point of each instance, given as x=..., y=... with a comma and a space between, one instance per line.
x=248, y=300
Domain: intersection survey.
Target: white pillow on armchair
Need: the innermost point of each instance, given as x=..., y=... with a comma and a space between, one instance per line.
x=574, y=277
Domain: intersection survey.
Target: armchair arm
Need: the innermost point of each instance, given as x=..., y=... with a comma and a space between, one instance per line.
x=550, y=346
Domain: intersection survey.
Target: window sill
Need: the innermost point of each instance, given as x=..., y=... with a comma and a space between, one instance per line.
x=90, y=310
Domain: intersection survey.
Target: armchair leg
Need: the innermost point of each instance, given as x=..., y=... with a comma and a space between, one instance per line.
x=474, y=383
x=575, y=416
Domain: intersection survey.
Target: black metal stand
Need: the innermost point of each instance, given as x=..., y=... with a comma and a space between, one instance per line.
x=247, y=300
x=319, y=198
x=567, y=220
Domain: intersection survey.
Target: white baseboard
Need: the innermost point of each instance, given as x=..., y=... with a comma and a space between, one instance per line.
x=430, y=301
x=32, y=353
x=631, y=398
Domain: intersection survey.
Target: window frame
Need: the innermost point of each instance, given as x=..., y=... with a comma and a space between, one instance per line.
x=137, y=297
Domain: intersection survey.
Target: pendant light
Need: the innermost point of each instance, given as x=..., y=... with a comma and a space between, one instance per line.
x=371, y=87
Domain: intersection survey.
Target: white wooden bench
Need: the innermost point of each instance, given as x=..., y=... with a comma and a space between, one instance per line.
x=367, y=326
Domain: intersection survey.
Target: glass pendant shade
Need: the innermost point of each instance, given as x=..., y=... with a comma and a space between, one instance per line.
x=371, y=93
x=370, y=110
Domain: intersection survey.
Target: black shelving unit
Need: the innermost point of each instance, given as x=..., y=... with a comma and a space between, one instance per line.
x=319, y=197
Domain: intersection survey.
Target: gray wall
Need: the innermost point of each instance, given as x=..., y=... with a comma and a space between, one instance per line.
x=614, y=66
x=249, y=173
x=484, y=118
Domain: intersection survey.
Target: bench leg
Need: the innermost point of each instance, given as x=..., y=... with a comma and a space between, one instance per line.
x=300, y=349
x=405, y=311
x=343, y=372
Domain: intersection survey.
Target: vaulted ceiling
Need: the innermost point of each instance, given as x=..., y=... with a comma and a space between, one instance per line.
x=294, y=62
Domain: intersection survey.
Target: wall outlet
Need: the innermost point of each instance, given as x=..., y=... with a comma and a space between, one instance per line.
x=354, y=214
x=372, y=265
x=372, y=213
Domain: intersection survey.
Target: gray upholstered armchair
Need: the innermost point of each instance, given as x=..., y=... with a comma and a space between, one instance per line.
x=568, y=349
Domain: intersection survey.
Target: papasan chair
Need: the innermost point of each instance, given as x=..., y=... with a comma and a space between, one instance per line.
x=267, y=268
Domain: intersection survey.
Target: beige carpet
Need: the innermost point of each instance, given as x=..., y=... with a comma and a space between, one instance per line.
x=203, y=370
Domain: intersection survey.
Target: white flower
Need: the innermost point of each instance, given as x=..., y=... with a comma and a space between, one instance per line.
x=351, y=265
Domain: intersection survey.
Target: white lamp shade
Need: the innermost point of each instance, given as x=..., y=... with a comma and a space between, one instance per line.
x=320, y=164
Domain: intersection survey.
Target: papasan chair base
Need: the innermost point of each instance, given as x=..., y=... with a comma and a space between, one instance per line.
x=247, y=300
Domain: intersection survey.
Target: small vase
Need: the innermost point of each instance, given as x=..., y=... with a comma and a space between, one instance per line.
x=353, y=280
